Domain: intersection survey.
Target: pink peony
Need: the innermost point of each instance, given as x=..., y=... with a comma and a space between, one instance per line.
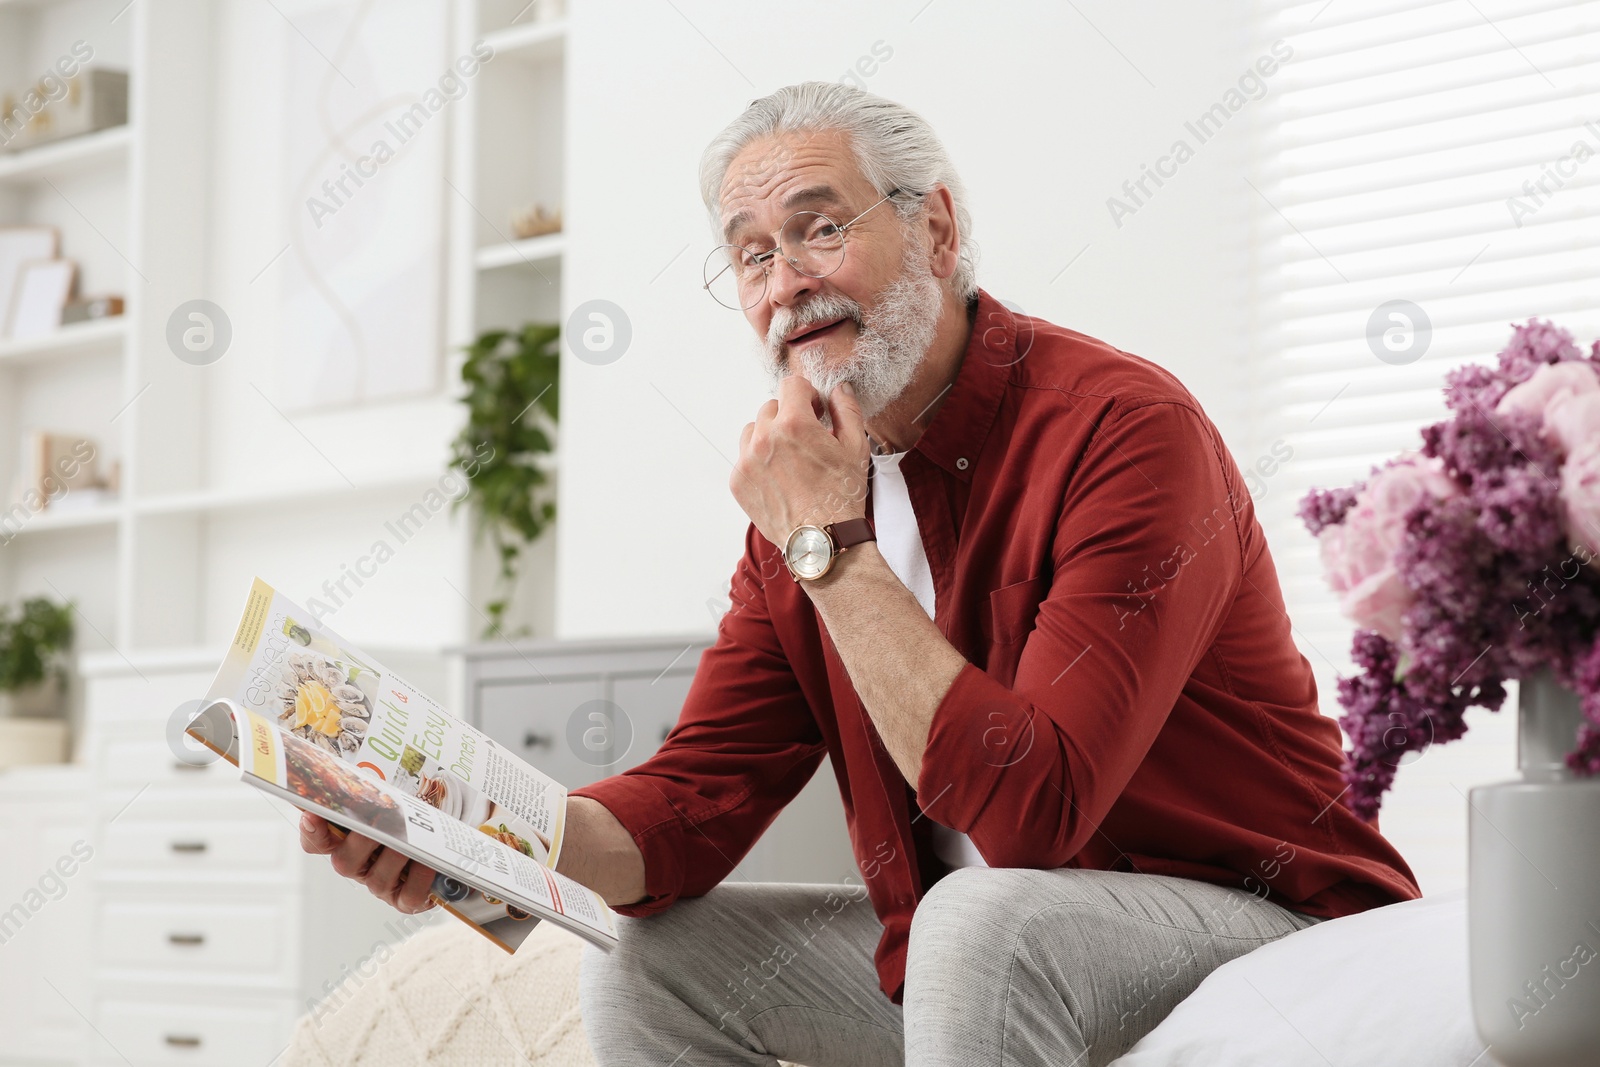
x=1551, y=387
x=1580, y=496
x=1572, y=420
x=1358, y=554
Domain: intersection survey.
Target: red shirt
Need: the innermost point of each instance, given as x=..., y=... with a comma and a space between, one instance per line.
x=1132, y=698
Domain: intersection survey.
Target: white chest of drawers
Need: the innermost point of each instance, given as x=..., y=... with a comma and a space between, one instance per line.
x=46, y=908
x=211, y=931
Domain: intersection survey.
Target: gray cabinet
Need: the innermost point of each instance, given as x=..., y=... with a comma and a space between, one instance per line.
x=583, y=710
x=529, y=717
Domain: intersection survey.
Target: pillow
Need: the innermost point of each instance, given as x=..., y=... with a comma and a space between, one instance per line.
x=1383, y=988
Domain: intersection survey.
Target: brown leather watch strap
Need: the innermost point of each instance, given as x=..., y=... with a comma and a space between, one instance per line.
x=850, y=532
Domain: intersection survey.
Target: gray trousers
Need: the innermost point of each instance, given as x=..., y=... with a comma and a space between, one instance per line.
x=1022, y=968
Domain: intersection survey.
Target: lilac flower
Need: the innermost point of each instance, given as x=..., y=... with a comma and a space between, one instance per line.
x=1533, y=345
x=1327, y=507
x=1495, y=590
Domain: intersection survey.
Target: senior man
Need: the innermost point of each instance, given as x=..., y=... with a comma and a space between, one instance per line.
x=1010, y=582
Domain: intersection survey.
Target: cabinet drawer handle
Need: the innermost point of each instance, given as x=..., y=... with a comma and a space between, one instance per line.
x=533, y=740
x=188, y=846
x=184, y=765
x=187, y=939
x=183, y=1040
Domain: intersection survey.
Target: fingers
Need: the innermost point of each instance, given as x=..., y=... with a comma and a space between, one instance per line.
x=401, y=883
x=416, y=884
x=383, y=877
x=353, y=856
x=848, y=425
x=796, y=393
x=316, y=835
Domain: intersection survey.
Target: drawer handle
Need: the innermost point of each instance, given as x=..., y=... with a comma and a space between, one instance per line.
x=189, y=846
x=184, y=765
x=533, y=740
x=183, y=1040
x=187, y=939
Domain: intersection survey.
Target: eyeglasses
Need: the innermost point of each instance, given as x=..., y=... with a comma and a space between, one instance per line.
x=812, y=243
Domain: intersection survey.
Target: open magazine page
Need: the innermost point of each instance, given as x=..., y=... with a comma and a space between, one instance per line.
x=513, y=887
x=315, y=686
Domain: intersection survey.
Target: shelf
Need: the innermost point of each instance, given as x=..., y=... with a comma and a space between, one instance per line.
x=47, y=520
x=68, y=156
x=81, y=339
x=206, y=501
x=203, y=658
x=526, y=255
x=537, y=42
x=177, y=659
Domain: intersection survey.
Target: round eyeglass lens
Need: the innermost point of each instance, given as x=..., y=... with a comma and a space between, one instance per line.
x=813, y=243
x=734, y=277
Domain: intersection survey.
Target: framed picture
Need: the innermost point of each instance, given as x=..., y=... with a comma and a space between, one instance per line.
x=19, y=245
x=43, y=288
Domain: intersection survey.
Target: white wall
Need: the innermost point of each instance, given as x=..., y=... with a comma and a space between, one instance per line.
x=1045, y=119
x=249, y=444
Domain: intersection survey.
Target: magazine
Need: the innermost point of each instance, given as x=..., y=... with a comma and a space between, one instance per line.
x=307, y=717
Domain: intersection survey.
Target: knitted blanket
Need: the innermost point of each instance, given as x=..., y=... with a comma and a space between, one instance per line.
x=446, y=997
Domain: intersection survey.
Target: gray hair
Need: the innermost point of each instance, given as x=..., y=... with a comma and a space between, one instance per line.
x=894, y=146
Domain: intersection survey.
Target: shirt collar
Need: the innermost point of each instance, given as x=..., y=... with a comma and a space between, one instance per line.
x=959, y=428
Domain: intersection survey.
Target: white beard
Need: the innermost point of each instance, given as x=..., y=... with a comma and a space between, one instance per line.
x=891, y=340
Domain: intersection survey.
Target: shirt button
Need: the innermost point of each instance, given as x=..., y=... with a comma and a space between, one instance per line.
x=961, y=464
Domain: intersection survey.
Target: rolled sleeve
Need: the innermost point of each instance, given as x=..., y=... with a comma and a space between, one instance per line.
x=745, y=744
x=1147, y=557
x=655, y=827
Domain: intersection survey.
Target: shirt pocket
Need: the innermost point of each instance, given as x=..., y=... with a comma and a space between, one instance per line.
x=1012, y=610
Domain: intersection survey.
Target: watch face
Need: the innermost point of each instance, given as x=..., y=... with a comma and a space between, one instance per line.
x=808, y=552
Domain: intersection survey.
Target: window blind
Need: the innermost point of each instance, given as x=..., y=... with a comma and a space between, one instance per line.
x=1445, y=153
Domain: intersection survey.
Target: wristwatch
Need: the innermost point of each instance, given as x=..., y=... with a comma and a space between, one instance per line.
x=811, y=550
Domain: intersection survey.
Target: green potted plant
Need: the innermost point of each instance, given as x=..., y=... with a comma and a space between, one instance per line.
x=34, y=640
x=512, y=398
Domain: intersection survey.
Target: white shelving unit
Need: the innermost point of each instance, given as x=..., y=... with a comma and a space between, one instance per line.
x=195, y=519
x=99, y=191
x=123, y=202
x=134, y=208
x=508, y=152
x=161, y=212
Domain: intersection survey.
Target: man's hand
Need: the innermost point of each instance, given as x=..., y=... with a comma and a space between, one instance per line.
x=792, y=471
x=401, y=883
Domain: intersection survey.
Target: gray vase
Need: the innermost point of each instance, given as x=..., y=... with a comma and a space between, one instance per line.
x=1533, y=895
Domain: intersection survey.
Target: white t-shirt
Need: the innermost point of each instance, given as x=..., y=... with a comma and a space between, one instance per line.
x=901, y=544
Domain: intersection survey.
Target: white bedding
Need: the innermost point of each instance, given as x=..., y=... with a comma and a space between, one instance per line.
x=1385, y=988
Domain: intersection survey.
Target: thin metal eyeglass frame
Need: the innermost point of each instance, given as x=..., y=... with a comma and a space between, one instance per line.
x=765, y=259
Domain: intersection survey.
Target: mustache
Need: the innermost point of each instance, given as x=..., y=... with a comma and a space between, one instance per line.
x=818, y=309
